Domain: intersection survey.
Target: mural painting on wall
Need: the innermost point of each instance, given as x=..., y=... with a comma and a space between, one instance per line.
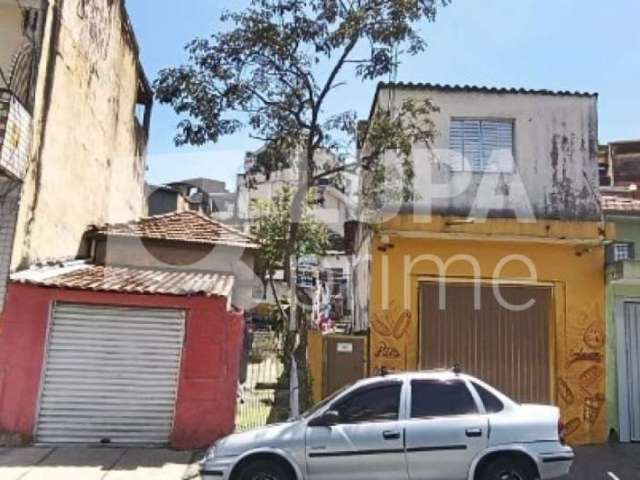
x=390, y=328
x=580, y=390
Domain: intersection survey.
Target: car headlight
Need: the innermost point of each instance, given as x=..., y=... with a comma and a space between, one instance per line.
x=210, y=453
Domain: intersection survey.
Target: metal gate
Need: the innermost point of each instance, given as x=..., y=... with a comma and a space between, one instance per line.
x=262, y=392
x=345, y=361
x=629, y=375
x=111, y=375
x=506, y=348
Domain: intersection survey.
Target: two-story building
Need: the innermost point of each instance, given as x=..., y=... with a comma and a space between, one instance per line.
x=623, y=316
x=126, y=333
x=620, y=178
x=74, y=119
x=21, y=31
x=497, y=265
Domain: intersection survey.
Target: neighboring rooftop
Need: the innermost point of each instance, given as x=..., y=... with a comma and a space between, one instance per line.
x=623, y=145
x=184, y=226
x=620, y=205
x=150, y=188
x=208, y=185
x=84, y=276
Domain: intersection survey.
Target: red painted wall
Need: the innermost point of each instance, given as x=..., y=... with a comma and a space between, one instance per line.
x=206, y=402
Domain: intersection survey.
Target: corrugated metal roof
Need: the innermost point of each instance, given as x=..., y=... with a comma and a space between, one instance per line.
x=617, y=204
x=464, y=89
x=481, y=89
x=180, y=226
x=83, y=276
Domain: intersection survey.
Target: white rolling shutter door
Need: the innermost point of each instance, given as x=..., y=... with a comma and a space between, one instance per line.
x=111, y=375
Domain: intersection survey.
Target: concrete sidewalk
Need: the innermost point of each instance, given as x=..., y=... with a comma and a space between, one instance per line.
x=82, y=463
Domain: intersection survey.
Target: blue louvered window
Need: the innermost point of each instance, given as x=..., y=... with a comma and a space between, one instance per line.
x=482, y=145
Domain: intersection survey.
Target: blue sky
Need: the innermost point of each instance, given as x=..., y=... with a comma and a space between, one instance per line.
x=586, y=45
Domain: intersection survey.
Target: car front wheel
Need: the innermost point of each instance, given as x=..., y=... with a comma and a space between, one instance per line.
x=264, y=469
x=508, y=469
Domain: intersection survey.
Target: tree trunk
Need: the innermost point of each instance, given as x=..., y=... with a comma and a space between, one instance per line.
x=297, y=325
x=274, y=292
x=304, y=396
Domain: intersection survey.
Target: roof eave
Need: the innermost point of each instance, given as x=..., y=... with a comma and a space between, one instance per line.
x=104, y=235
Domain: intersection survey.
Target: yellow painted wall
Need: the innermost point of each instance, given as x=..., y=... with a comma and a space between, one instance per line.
x=576, y=274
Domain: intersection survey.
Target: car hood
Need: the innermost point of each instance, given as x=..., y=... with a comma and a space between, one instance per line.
x=273, y=436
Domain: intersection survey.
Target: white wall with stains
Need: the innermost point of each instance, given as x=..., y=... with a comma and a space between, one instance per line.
x=555, y=145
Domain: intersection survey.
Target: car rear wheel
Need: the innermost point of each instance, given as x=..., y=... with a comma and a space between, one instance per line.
x=264, y=469
x=508, y=469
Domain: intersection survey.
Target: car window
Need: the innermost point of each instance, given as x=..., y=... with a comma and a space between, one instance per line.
x=492, y=404
x=440, y=398
x=324, y=402
x=370, y=404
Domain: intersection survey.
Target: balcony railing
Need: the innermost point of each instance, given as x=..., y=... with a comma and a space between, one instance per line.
x=624, y=270
x=15, y=135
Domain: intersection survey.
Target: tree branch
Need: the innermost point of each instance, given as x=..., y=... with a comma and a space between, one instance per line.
x=336, y=69
x=311, y=144
x=297, y=114
x=341, y=168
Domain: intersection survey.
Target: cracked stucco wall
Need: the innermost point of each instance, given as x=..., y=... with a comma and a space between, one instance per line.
x=12, y=39
x=88, y=152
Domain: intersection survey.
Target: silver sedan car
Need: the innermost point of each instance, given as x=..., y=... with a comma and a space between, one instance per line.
x=439, y=425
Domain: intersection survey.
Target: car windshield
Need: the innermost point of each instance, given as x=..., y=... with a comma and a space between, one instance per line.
x=322, y=403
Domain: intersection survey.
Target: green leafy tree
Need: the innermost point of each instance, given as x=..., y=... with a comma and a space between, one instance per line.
x=275, y=68
x=270, y=227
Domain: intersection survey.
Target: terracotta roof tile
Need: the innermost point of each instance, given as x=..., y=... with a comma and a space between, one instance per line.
x=129, y=280
x=180, y=226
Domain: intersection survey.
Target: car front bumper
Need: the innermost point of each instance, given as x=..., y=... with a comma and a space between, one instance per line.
x=211, y=474
x=216, y=468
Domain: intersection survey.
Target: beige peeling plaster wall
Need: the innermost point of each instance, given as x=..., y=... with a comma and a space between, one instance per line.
x=87, y=164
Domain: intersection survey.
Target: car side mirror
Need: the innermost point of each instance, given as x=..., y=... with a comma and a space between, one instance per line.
x=327, y=419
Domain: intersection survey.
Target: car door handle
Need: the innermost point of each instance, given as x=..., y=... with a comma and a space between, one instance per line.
x=473, y=432
x=391, y=435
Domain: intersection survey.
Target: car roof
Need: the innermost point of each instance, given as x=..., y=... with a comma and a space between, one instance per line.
x=443, y=374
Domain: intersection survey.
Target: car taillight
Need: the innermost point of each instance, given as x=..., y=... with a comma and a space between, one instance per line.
x=561, y=432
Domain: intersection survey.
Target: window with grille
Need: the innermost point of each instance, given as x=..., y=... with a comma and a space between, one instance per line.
x=621, y=251
x=481, y=145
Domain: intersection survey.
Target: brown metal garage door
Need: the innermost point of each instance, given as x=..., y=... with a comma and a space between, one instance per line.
x=508, y=349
